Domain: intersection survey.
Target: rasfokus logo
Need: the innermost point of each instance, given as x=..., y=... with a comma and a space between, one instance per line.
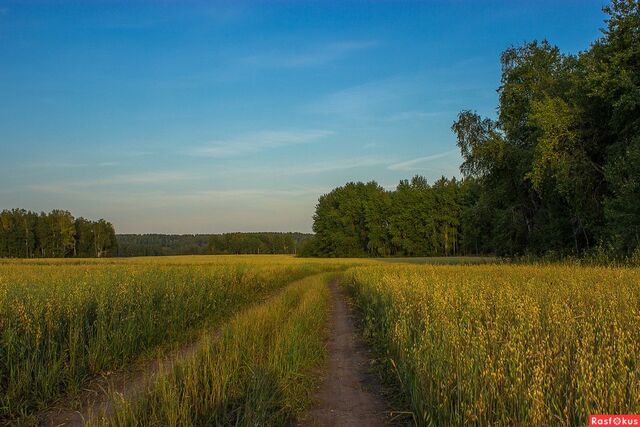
x=614, y=420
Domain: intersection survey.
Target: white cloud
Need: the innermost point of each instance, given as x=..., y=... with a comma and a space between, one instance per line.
x=258, y=141
x=413, y=164
x=320, y=55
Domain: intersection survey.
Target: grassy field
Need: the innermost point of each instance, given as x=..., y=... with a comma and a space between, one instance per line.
x=505, y=345
x=65, y=321
x=443, y=260
x=464, y=341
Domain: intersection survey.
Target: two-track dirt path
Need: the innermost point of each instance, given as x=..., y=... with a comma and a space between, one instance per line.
x=96, y=398
x=349, y=394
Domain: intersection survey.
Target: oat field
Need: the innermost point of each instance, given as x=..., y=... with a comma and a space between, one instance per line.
x=63, y=322
x=474, y=343
x=503, y=344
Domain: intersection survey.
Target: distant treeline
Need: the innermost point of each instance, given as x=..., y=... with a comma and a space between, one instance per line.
x=256, y=243
x=57, y=234
x=162, y=244
x=558, y=171
x=200, y=244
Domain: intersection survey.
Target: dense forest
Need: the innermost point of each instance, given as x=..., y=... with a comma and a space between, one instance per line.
x=26, y=234
x=557, y=171
x=200, y=244
x=417, y=219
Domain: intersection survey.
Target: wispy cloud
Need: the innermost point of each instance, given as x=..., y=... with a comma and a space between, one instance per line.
x=412, y=115
x=249, y=193
x=136, y=153
x=152, y=197
x=144, y=178
x=414, y=164
x=334, y=165
x=258, y=141
x=376, y=98
x=56, y=165
x=147, y=178
x=319, y=55
x=69, y=165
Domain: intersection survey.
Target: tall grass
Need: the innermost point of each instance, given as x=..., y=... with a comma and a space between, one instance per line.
x=256, y=373
x=63, y=323
x=506, y=345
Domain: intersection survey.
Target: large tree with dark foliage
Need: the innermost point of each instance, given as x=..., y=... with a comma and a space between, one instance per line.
x=348, y=221
x=558, y=170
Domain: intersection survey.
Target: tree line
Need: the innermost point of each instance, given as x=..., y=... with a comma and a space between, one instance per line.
x=161, y=244
x=558, y=170
x=416, y=219
x=57, y=234
x=255, y=243
x=201, y=244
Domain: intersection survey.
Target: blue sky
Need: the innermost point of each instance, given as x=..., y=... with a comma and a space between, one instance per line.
x=203, y=117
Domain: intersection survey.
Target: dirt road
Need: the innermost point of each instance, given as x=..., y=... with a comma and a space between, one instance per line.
x=349, y=394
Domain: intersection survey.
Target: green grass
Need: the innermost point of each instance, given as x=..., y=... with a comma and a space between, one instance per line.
x=257, y=372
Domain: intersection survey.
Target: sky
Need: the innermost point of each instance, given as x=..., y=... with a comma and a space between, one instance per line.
x=210, y=117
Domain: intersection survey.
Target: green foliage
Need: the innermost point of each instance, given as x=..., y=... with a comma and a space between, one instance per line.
x=201, y=244
x=255, y=243
x=417, y=219
x=345, y=216
x=162, y=244
x=559, y=170
x=25, y=234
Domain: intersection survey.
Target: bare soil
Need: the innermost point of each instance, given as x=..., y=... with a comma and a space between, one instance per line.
x=349, y=395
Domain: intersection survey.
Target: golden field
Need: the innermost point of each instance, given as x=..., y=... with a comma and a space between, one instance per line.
x=505, y=344
x=498, y=344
